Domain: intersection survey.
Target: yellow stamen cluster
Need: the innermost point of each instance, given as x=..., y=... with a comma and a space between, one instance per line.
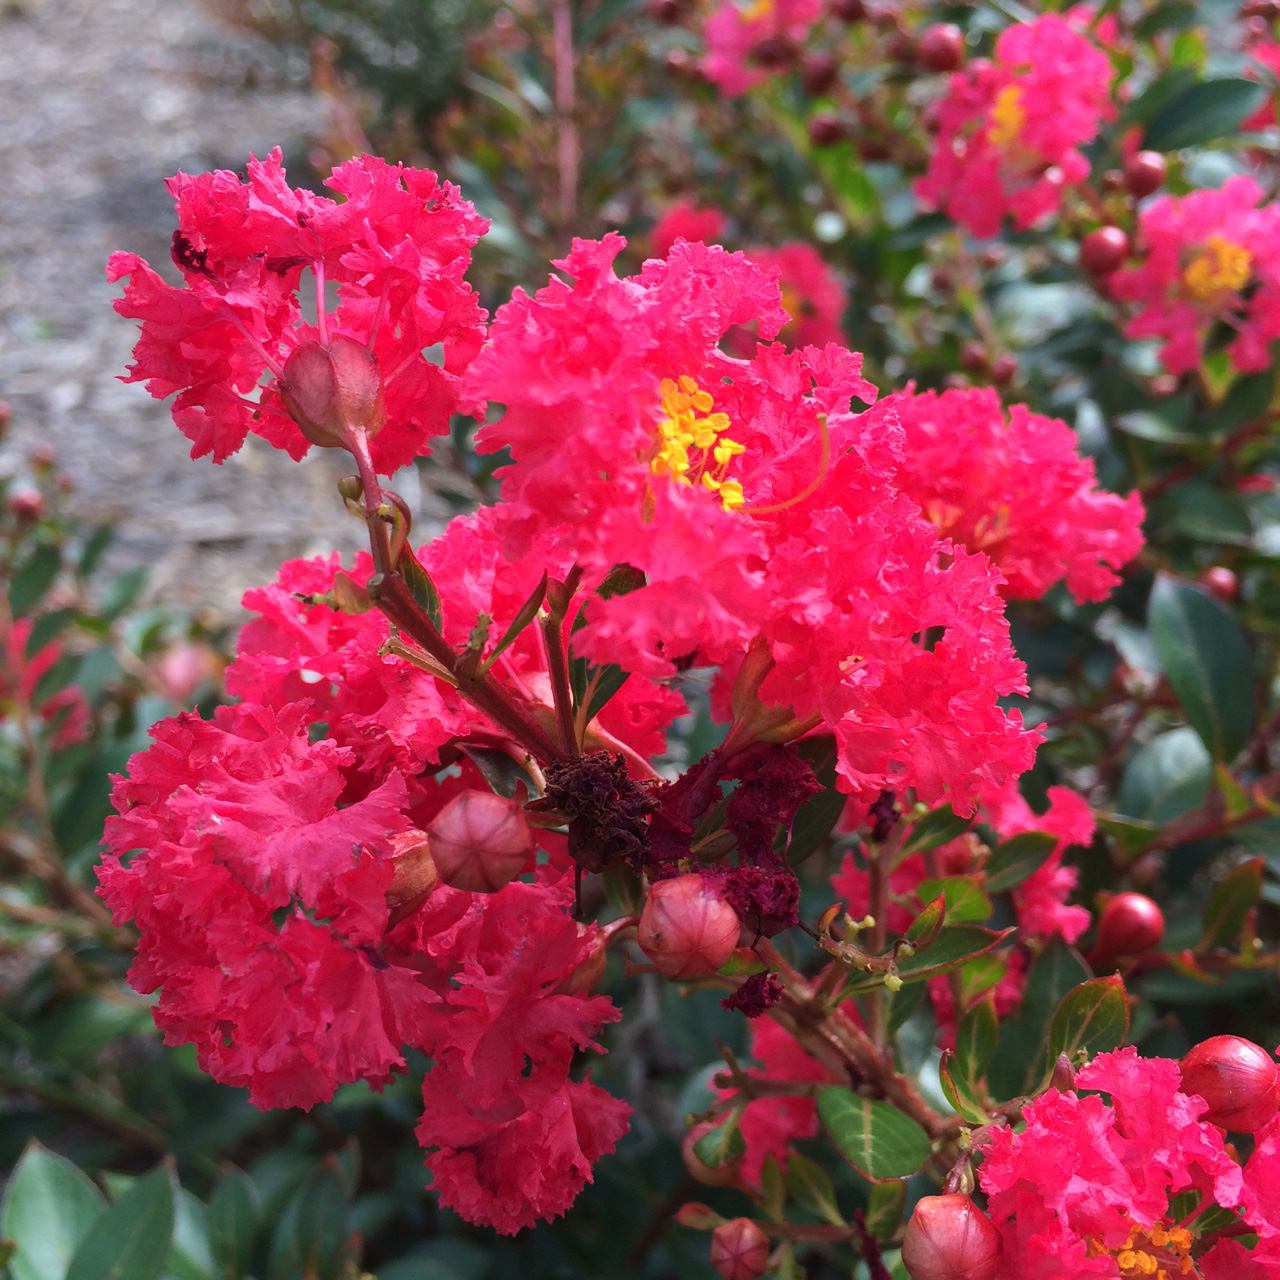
x=1220, y=266
x=1159, y=1254
x=1008, y=115
x=692, y=446
x=756, y=10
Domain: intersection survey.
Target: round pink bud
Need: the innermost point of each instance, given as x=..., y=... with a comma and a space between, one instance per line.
x=413, y=876
x=739, y=1250
x=1221, y=583
x=26, y=504
x=480, y=841
x=1129, y=925
x=825, y=129
x=950, y=1238
x=686, y=930
x=328, y=390
x=1144, y=172
x=590, y=968
x=1103, y=250
x=941, y=47
x=1237, y=1078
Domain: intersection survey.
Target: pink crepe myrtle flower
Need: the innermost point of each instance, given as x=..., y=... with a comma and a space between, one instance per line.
x=685, y=221
x=1011, y=128
x=735, y=31
x=1209, y=258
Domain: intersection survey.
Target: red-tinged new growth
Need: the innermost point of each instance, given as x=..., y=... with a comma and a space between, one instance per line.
x=739, y=1250
x=1016, y=489
x=686, y=929
x=234, y=343
x=1130, y=924
x=1091, y=1184
x=1238, y=1079
x=950, y=1238
x=1208, y=257
x=480, y=841
x=1011, y=129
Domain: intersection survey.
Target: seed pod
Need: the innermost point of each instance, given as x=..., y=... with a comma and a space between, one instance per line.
x=328, y=390
x=739, y=1250
x=1144, y=172
x=950, y=1238
x=480, y=841
x=686, y=930
x=1129, y=925
x=1103, y=250
x=941, y=47
x=1237, y=1078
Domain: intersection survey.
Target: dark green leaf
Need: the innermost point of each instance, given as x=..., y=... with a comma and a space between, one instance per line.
x=817, y=817
x=976, y=1039
x=1168, y=16
x=607, y=681
x=721, y=1145
x=1202, y=112
x=1093, y=1016
x=959, y=1092
x=873, y=1136
x=504, y=775
x=1227, y=908
x=525, y=615
x=885, y=1203
x=97, y=542
x=1246, y=402
x=1159, y=94
x=1168, y=776
x=1206, y=657
x=925, y=927
x=936, y=827
x=902, y=1004
x=49, y=1205
x=32, y=578
x=122, y=592
x=233, y=1220
x=45, y=627
x=808, y=1182
x=621, y=581
x=1013, y=860
x=321, y=1228
x=952, y=947
x=421, y=588
x=964, y=897
x=131, y=1240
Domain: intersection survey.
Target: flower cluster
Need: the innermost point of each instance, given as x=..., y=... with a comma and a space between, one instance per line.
x=1118, y=1184
x=397, y=246
x=1010, y=129
x=738, y=35
x=1016, y=489
x=1207, y=260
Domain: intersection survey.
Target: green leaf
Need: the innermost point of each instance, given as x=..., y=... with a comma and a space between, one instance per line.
x=1206, y=657
x=233, y=1220
x=189, y=1258
x=721, y=1145
x=976, y=1039
x=964, y=897
x=1093, y=1016
x=48, y=1207
x=817, y=817
x=873, y=1136
x=524, y=615
x=95, y=545
x=1013, y=860
x=959, y=1091
x=951, y=948
x=1202, y=112
x=421, y=587
x=1227, y=908
x=902, y=1004
x=621, y=580
x=808, y=1182
x=504, y=775
x=32, y=578
x=926, y=926
x=321, y=1227
x=122, y=592
x=1167, y=16
x=1165, y=778
x=1159, y=94
x=131, y=1240
x=885, y=1203
x=1246, y=402
x=935, y=828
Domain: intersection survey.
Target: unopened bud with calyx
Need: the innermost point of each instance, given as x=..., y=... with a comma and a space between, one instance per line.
x=687, y=929
x=739, y=1250
x=480, y=841
x=333, y=389
x=413, y=877
x=950, y=1238
x=1239, y=1080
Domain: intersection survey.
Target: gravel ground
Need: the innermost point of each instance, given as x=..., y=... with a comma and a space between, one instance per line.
x=100, y=101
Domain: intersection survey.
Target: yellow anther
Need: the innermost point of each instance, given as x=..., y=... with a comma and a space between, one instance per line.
x=1008, y=115
x=1221, y=266
x=691, y=436
x=688, y=384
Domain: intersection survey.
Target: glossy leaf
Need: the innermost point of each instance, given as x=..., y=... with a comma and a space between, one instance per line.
x=1207, y=659
x=885, y=1203
x=873, y=1136
x=49, y=1205
x=132, y=1239
x=421, y=587
x=1227, y=908
x=964, y=897
x=1013, y=860
x=1202, y=112
x=976, y=1039
x=817, y=817
x=1164, y=779
x=959, y=1091
x=721, y=1145
x=232, y=1221
x=927, y=925
x=1093, y=1017
x=322, y=1229
x=935, y=828
x=808, y=1182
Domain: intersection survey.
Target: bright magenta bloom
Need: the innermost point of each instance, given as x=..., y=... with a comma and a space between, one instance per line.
x=397, y=247
x=812, y=295
x=735, y=31
x=685, y=221
x=1210, y=257
x=1016, y=489
x=1086, y=1187
x=756, y=504
x=1011, y=129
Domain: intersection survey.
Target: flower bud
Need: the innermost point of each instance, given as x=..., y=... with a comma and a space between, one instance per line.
x=26, y=504
x=697, y=1216
x=941, y=47
x=950, y=1238
x=1221, y=583
x=480, y=841
x=1129, y=925
x=330, y=389
x=1003, y=369
x=825, y=129
x=1103, y=250
x=590, y=969
x=1237, y=1078
x=414, y=876
x=739, y=1250
x=710, y=1175
x=685, y=929
x=182, y=669
x=1144, y=172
